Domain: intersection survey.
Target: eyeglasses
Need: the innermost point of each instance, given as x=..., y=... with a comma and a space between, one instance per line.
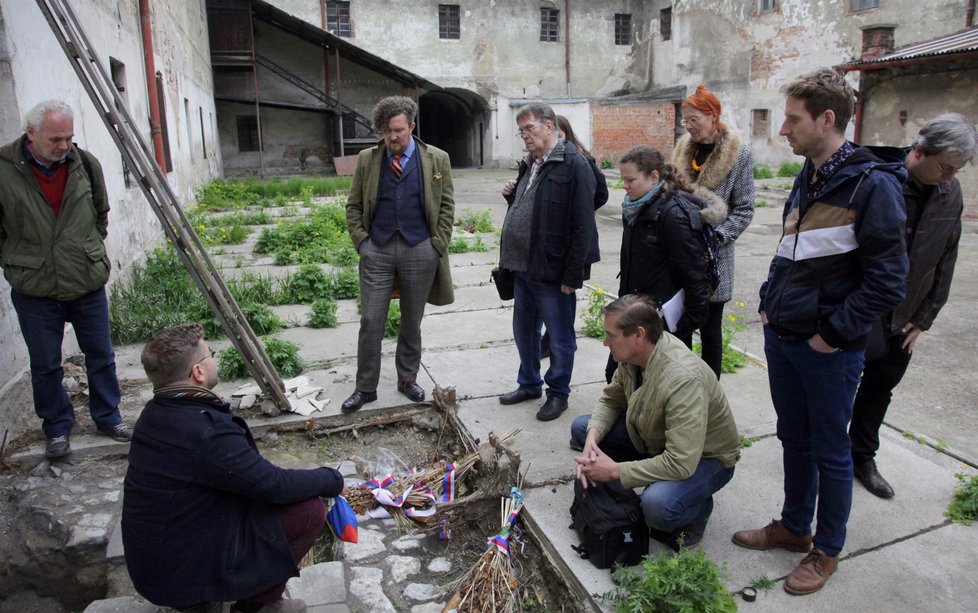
x=690, y=121
x=527, y=128
x=947, y=169
x=209, y=355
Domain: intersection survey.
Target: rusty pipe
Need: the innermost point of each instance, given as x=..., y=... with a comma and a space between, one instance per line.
x=156, y=132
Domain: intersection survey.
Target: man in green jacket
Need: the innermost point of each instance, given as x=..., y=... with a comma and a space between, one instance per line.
x=400, y=214
x=53, y=220
x=663, y=423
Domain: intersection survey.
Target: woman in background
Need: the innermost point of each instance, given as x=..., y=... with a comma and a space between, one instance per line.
x=661, y=250
x=712, y=156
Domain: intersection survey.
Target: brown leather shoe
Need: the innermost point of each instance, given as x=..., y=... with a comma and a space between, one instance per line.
x=411, y=389
x=812, y=573
x=772, y=536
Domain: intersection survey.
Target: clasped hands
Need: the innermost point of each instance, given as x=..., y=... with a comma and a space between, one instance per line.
x=594, y=465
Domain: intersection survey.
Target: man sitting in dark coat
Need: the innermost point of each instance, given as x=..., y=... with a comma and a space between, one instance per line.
x=205, y=518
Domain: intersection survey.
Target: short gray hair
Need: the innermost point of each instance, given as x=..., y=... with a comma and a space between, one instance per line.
x=35, y=117
x=948, y=133
x=539, y=110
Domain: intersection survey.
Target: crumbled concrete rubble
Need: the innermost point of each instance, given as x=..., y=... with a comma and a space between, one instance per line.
x=303, y=397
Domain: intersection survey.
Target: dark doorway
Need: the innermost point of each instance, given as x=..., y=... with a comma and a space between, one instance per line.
x=454, y=120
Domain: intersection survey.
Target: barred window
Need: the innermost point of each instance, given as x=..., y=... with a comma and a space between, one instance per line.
x=247, y=133
x=764, y=6
x=665, y=23
x=338, y=17
x=448, y=21
x=623, y=29
x=549, y=25
x=862, y=5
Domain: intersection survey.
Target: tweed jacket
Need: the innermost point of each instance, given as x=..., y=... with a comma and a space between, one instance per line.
x=439, y=206
x=727, y=180
x=677, y=416
x=61, y=257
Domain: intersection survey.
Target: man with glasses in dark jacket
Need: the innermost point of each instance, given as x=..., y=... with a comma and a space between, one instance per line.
x=934, y=208
x=205, y=518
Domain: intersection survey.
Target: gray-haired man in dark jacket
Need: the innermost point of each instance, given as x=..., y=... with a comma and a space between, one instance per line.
x=934, y=207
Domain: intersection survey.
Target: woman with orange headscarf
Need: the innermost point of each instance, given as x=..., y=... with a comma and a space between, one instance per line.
x=712, y=157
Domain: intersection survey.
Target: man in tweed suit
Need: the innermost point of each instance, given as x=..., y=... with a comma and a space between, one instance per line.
x=400, y=215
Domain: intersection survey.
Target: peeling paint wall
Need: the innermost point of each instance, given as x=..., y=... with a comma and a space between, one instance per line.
x=34, y=68
x=914, y=94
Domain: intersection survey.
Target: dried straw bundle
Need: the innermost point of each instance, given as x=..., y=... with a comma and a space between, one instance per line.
x=491, y=584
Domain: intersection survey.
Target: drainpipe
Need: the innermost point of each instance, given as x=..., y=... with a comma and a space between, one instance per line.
x=567, y=67
x=154, y=101
x=857, y=133
x=322, y=19
x=969, y=18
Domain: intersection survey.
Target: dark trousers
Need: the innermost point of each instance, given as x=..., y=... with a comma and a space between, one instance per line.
x=711, y=337
x=302, y=523
x=879, y=379
x=42, y=322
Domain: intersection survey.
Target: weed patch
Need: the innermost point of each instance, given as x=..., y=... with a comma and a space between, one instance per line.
x=467, y=245
x=763, y=172
x=323, y=314
x=686, y=581
x=322, y=238
x=393, y=324
x=789, y=169
x=593, y=315
x=964, y=507
x=283, y=355
x=473, y=222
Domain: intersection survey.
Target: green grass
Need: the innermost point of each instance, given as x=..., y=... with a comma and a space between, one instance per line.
x=323, y=314
x=760, y=203
x=964, y=507
x=684, y=582
x=467, y=245
x=763, y=584
x=763, y=172
x=747, y=441
x=393, y=324
x=232, y=194
x=593, y=316
x=284, y=356
x=789, y=169
x=475, y=222
x=606, y=163
x=321, y=237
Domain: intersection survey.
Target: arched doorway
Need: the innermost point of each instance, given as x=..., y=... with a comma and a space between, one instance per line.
x=455, y=120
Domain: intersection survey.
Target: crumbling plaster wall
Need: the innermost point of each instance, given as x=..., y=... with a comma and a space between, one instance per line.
x=37, y=69
x=746, y=58
x=914, y=93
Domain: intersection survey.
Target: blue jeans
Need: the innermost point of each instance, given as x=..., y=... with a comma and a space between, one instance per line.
x=537, y=304
x=42, y=322
x=667, y=505
x=812, y=394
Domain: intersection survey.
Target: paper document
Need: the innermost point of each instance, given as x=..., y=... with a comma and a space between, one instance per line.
x=672, y=310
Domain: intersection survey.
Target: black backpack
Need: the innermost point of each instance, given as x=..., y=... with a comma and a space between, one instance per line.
x=711, y=244
x=609, y=520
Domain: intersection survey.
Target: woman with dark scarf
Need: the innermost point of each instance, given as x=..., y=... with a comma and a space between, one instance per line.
x=713, y=158
x=661, y=250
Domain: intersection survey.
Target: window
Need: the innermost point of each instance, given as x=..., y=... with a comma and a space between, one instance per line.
x=338, y=18
x=623, y=29
x=761, y=127
x=190, y=130
x=549, y=25
x=448, y=21
x=164, y=127
x=247, y=133
x=203, y=139
x=766, y=6
x=862, y=5
x=665, y=23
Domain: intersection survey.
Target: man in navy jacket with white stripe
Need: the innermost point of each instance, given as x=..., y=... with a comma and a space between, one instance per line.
x=840, y=263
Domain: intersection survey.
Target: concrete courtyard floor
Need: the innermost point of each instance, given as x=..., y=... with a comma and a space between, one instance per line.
x=901, y=554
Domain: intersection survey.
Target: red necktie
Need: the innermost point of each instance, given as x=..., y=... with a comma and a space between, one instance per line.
x=396, y=165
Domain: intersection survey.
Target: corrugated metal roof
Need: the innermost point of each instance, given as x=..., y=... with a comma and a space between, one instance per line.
x=959, y=42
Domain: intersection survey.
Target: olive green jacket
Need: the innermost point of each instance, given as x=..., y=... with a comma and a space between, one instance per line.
x=678, y=415
x=46, y=256
x=439, y=207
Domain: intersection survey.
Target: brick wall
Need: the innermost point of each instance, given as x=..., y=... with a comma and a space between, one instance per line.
x=616, y=128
